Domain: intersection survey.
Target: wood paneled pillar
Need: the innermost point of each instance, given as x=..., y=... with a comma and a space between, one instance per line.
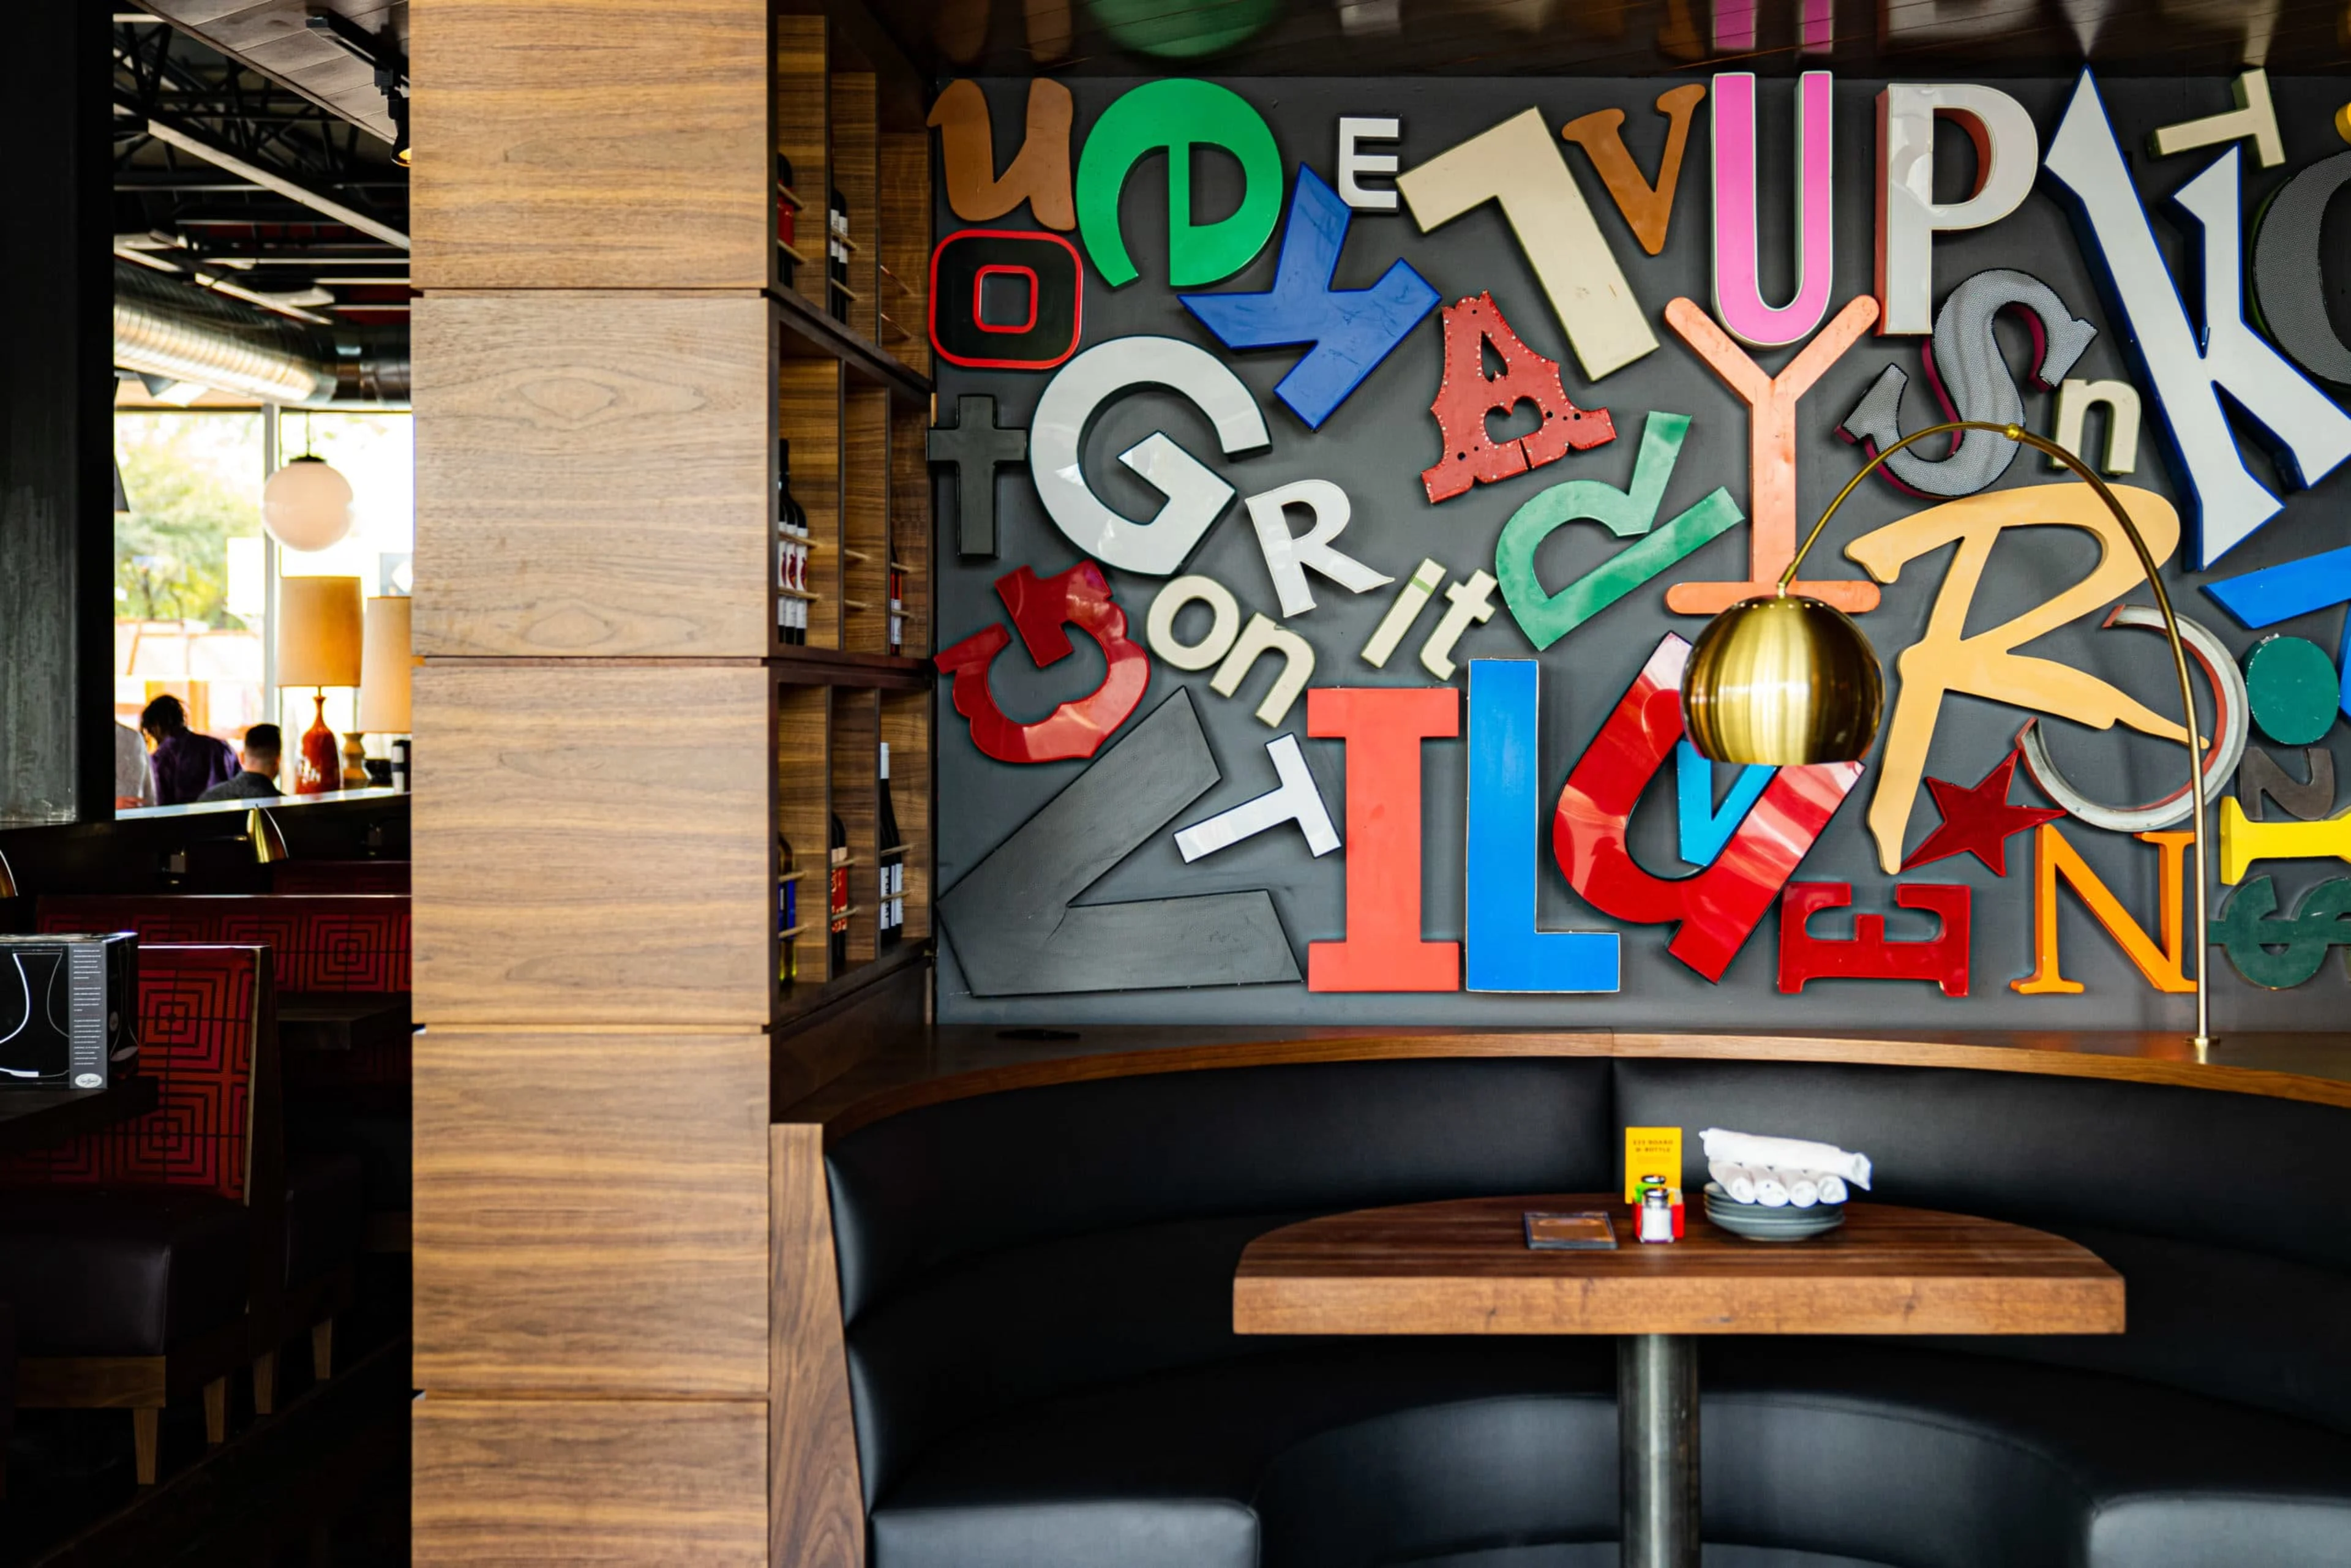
x=56, y=426
x=595, y=765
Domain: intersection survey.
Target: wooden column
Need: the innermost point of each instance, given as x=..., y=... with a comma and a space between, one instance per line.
x=595, y=780
x=56, y=387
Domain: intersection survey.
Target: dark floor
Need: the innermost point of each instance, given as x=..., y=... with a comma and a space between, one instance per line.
x=323, y=1483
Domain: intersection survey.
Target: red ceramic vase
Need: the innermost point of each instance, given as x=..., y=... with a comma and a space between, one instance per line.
x=320, y=767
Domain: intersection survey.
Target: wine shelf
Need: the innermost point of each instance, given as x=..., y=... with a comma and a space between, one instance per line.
x=848, y=116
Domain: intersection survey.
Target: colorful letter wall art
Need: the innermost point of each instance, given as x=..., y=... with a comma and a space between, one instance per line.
x=1467, y=397
x=1946, y=660
x=1739, y=301
x=2185, y=367
x=1383, y=729
x=1771, y=402
x=1971, y=381
x=1011, y=917
x=1519, y=165
x=1649, y=207
x=1041, y=610
x=1353, y=530
x=1867, y=955
x=1507, y=952
x=1717, y=909
x=1351, y=330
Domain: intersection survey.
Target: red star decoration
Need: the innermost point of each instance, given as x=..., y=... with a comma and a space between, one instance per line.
x=1978, y=821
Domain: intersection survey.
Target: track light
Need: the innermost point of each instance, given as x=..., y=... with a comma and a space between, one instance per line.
x=380, y=55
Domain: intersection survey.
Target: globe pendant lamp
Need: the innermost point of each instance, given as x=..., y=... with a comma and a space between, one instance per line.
x=307, y=506
x=1784, y=679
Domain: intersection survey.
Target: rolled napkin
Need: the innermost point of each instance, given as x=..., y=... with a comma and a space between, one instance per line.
x=1733, y=1179
x=1751, y=1150
x=1833, y=1189
x=1769, y=1190
x=1803, y=1189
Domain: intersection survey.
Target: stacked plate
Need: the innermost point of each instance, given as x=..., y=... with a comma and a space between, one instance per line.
x=1757, y=1223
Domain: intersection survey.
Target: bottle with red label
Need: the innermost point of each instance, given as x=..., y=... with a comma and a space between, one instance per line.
x=788, y=209
x=835, y=839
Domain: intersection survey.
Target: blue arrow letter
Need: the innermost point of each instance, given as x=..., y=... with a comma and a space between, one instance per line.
x=1352, y=329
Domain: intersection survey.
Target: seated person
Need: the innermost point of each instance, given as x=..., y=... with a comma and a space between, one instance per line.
x=259, y=779
x=134, y=778
x=186, y=764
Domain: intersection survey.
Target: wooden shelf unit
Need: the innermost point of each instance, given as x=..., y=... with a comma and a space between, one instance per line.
x=828, y=741
x=849, y=114
x=854, y=400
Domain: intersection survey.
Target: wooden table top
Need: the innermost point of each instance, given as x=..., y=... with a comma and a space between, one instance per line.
x=42, y=1118
x=1464, y=1268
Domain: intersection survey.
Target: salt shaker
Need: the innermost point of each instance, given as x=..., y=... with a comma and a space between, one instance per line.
x=1657, y=1215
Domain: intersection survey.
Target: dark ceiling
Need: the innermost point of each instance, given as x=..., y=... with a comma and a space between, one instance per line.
x=313, y=224
x=1619, y=37
x=296, y=98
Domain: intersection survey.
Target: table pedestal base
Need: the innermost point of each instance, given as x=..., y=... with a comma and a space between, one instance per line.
x=1657, y=1436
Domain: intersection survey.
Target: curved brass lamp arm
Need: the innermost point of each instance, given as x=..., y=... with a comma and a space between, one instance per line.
x=2146, y=561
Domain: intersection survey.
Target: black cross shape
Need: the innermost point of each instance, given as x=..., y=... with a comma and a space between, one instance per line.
x=975, y=446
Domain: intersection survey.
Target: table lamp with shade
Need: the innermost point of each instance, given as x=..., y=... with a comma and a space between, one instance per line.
x=1784, y=679
x=319, y=643
x=385, y=665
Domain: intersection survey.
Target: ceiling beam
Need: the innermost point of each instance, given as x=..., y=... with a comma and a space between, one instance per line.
x=270, y=179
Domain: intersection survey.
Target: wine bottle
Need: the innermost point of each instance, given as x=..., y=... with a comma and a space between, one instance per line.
x=836, y=257
x=836, y=838
x=787, y=904
x=892, y=855
x=897, y=619
x=791, y=529
x=787, y=220
x=788, y=602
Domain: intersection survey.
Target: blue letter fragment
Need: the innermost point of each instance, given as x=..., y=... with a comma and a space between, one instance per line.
x=2294, y=588
x=1705, y=827
x=1506, y=953
x=1352, y=329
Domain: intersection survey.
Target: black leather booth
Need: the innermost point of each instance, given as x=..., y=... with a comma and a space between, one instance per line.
x=1037, y=1288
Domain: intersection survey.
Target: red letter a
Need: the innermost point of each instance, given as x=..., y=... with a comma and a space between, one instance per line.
x=1464, y=397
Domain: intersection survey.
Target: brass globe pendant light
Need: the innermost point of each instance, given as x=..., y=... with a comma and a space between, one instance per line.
x=1783, y=679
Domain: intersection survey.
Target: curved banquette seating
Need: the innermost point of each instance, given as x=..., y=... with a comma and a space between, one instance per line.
x=1036, y=1288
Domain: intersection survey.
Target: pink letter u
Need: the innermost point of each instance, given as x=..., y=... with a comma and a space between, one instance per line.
x=1738, y=291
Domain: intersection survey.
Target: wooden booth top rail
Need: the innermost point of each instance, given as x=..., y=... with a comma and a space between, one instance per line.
x=956, y=1063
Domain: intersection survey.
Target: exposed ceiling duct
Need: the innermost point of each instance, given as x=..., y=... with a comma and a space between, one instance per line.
x=168, y=327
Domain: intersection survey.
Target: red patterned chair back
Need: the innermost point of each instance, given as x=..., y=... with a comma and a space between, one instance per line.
x=207, y=1033
x=338, y=876
x=317, y=942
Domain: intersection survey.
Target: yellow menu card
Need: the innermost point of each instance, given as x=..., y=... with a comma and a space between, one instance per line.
x=1652, y=1151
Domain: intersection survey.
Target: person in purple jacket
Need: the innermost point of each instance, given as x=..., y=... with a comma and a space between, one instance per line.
x=186, y=764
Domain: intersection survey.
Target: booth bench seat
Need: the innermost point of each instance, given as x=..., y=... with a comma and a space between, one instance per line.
x=1399, y=1452
x=1037, y=1293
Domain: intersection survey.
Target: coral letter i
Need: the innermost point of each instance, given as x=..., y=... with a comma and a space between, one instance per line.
x=1384, y=727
